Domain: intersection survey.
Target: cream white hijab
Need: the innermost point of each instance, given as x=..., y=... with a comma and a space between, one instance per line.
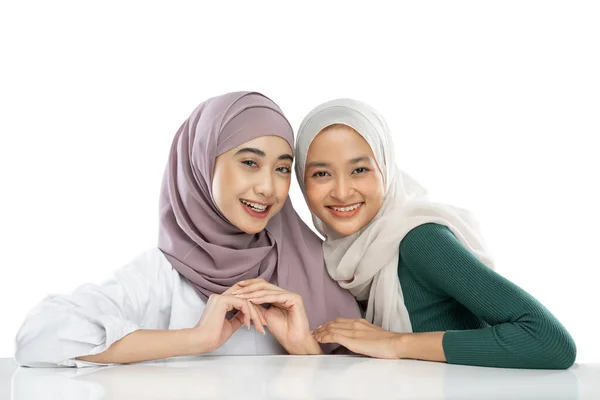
x=366, y=262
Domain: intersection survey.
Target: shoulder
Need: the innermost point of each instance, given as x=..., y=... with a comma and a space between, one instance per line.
x=427, y=236
x=149, y=265
x=433, y=250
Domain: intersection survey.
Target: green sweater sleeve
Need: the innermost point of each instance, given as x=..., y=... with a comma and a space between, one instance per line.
x=522, y=332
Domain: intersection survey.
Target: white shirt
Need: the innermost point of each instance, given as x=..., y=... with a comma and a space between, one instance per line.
x=147, y=293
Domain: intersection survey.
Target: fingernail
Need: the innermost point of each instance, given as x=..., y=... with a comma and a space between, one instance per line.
x=235, y=292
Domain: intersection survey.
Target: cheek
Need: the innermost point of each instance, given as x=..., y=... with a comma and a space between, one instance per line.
x=373, y=190
x=218, y=195
x=224, y=183
x=314, y=194
x=282, y=190
x=377, y=191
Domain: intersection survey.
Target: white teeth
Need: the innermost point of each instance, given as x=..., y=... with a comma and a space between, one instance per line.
x=257, y=207
x=346, y=209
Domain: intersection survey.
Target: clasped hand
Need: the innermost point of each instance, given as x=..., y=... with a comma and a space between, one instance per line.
x=261, y=304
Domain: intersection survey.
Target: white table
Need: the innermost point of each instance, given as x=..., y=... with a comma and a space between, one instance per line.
x=295, y=377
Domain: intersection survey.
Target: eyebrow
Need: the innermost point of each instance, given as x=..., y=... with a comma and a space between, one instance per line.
x=252, y=150
x=262, y=154
x=285, y=157
x=323, y=164
x=358, y=160
x=318, y=164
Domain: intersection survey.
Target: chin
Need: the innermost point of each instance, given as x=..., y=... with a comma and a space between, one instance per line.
x=347, y=232
x=344, y=230
x=252, y=229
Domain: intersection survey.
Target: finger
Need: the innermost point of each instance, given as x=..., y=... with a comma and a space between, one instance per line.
x=254, y=286
x=351, y=324
x=373, y=347
x=361, y=321
x=247, y=318
x=359, y=346
x=351, y=333
x=333, y=325
x=284, y=300
x=250, y=281
x=232, y=289
x=232, y=303
x=239, y=285
x=256, y=320
x=260, y=310
x=334, y=337
x=236, y=322
x=258, y=293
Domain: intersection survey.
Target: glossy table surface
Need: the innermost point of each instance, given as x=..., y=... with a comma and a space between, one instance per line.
x=295, y=377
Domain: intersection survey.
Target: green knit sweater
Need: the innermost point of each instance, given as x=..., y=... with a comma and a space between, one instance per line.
x=488, y=320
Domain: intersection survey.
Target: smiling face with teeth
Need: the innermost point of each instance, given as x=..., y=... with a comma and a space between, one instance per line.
x=344, y=185
x=251, y=182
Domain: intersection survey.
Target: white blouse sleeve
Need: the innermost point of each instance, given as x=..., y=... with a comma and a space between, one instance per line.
x=90, y=320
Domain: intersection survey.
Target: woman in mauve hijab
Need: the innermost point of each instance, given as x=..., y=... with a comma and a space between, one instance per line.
x=226, y=223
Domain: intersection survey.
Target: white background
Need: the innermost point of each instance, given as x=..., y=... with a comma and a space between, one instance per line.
x=495, y=107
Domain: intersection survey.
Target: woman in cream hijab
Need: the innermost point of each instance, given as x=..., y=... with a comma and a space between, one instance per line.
x=420, y=269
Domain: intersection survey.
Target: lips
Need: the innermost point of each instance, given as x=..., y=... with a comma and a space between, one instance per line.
x=345, y=211
x=255, y=205
x=255, y=209
x=347, y=208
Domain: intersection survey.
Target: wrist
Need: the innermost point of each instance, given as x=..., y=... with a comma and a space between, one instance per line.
x=308, y=346
x=195, y=342
x=400, y=345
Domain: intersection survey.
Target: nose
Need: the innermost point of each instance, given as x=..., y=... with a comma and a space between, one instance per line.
x=343, y=190
x=265, y=186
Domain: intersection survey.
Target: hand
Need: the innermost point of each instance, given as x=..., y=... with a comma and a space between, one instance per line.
x=214, y=328
x=256, y=316
x=360, y=336
x=286, y=318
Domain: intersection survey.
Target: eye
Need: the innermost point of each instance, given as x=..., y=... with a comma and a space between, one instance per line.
x=285, y=170
x=320, y=174
x=250, y=163
x=360, y=170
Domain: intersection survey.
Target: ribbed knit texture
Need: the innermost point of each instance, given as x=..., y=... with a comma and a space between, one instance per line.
x=488, y=320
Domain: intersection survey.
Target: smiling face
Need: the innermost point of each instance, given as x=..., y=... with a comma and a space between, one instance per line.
x=251, y=182
x=344, y=185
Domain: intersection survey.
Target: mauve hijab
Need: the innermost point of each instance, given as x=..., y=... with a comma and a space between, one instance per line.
x=208, y=250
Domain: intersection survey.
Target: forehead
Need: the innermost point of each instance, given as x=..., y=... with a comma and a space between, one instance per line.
x=339, y=141
x=271, y=145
